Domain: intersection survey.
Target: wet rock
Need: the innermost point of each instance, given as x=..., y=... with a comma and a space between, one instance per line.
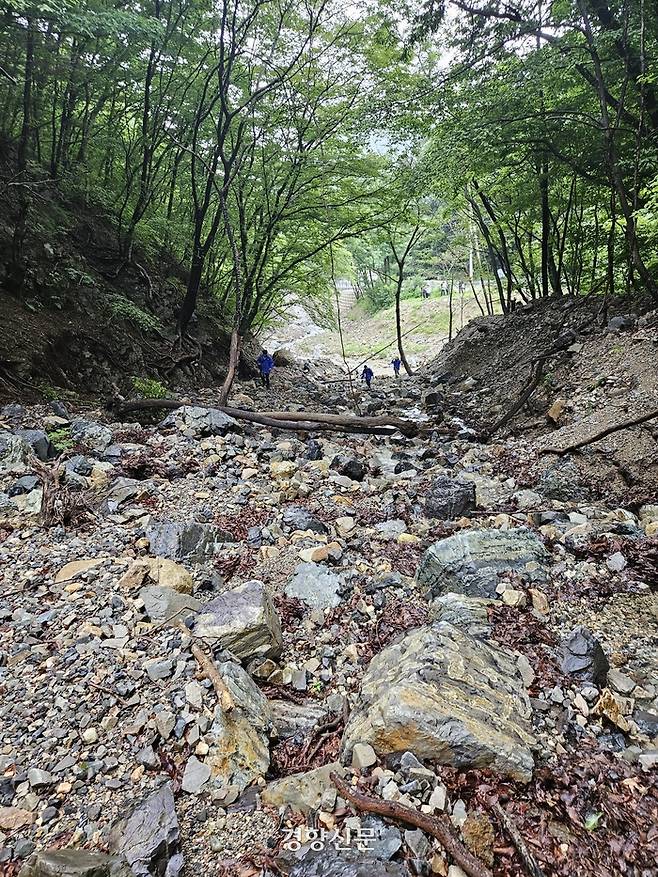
x=41, y=445
x=298, y=518
x=242, y=620
x=149, y=838
x=448, y=498
x=14, y=452
x=444, y=695
x=349, y=467
x=583, y=657
x=469, y=563
x=94, y=436
x=330, y=862
x=74, y=863
x=315, y=585
x=313, y=450
x=301, y=791
x=239, y=738
x=186, y=541
x=23, y=485
x=198, y=421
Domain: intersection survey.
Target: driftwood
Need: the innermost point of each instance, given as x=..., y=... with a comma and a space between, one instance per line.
x=210, y=671
x=435, y=826
x=526, y=856
x=625, y=424
x=306, y=421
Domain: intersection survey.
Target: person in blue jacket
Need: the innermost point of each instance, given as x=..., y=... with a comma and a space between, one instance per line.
x=265, y=365
x=367, y=375
x=396, y=363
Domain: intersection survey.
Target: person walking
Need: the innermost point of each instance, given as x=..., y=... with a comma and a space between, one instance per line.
x=367, y=375
x=265, y=366
x=396, y=363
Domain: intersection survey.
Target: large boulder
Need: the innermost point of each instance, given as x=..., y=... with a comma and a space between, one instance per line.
x=94, y=436
x=14, y=452
x=239, y=738
x=39, y=442
x=242, y=620
x=149, y=838
x=449, y=498
x=315, y=585
x=583, y=657
x=74, y=863
x=198, y=421
x=470, y=562
x=444, y=695
x=189, y=541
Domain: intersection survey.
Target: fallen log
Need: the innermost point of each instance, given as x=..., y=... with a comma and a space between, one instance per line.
x=306, y=421
x=436, y=826
x=616, y=427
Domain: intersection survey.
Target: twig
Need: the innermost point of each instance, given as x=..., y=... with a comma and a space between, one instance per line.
x=625, y=424
x=224, y=696
x=528, y=860
x=437, y=827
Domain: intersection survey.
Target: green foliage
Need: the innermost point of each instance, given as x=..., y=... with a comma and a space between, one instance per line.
x=61, y=439
x=123, y=309
x=149, y=388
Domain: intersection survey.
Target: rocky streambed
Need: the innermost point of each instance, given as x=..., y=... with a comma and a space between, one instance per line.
x=213, y=619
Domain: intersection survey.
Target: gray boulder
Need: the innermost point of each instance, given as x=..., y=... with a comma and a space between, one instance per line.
x=199, y=421
x=470, y=562
x=239, y=738
x=330, y=862
x=149, y=838
x=166, y=604
x=448, y=498
x=469, y=613
x=194, y=542
x=39, y=442
x=445, y=696
x=94, y=436
x=74, y=863
x=299, y=518
x=23, y=485
x=242, y=620
x=14, y=452
x=583, y=657
x=315, y=585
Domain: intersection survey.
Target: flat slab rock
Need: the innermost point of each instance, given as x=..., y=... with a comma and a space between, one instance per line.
x=194, y=542
x=346, y=863
x=442, y=694
x=149, y=838
x=74, y=863
x=470, y=562
x=242, y=620
x=315, y=585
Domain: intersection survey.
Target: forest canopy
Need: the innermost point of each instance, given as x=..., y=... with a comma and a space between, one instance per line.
x=266, y=146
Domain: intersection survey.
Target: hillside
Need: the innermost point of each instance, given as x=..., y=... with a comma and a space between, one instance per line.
x=84, y=318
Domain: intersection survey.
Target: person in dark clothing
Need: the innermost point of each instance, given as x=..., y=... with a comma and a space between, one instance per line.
x=367, y=375
x=396, y=363
x=265, y=366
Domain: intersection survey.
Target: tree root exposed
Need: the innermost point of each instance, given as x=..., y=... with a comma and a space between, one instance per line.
x=435, y=826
